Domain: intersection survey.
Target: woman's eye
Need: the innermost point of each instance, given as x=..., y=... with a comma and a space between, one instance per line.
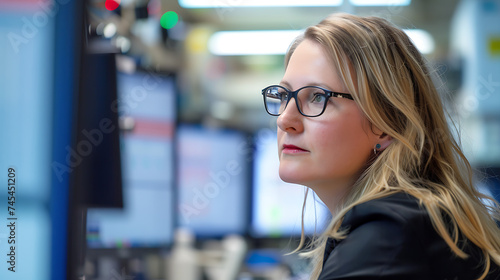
x=318, y=98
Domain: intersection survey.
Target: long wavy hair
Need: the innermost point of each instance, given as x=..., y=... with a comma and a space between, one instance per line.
x=394, y=87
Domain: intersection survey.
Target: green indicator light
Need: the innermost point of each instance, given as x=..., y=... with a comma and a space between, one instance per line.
x=169, y=19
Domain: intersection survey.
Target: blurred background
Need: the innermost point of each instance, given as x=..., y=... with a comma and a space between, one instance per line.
x=135, y=144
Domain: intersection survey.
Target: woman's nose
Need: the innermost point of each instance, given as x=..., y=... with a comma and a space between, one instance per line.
x=290, y=119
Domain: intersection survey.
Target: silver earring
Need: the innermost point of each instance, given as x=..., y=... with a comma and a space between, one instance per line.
x=376, y=148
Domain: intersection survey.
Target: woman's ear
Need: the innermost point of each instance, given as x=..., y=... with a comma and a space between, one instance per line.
x=381, y=138
x=384, y=141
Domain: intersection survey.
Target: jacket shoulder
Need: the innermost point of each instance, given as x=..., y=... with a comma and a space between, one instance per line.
x=393, y=238
x=401, y=209
x=383, y=240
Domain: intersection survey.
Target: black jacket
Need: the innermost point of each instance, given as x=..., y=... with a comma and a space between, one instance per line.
x=393, y=238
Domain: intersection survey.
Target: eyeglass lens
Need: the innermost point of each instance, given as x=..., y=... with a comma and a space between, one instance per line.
x=310, y=100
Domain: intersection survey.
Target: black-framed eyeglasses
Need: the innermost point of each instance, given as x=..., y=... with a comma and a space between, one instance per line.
x=311, y=100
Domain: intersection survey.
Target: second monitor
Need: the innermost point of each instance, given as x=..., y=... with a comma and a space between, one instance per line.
x=213, y=181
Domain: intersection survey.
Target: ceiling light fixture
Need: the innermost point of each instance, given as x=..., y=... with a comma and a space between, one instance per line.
x=276, y=42
x=272, y=42
x=257, y=3
x=380, y=2
x=422, y=39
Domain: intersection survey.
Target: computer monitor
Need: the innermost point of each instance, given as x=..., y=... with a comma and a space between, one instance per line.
x=146, y=105
x=213, y=180
x=37, y=72
x=276, y=205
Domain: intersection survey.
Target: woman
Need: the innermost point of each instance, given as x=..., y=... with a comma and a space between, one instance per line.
x=362, y=124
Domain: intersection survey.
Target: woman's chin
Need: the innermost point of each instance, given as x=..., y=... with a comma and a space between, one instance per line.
x=292, y=177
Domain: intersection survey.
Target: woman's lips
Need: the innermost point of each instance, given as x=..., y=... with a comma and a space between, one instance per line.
x=292, y=149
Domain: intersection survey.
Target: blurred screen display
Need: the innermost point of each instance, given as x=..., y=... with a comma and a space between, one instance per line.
x=26, y=114
x=147, y=108
x=213, y=180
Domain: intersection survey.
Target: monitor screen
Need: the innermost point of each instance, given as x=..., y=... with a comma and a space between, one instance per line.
x=28, y=81
x=276, y=205
x=213, y=180
x=146, y=105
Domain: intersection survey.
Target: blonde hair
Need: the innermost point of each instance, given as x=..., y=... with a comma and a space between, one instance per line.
x=392, y=84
